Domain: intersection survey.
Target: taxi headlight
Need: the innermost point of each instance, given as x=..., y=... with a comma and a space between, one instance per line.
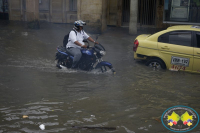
x=103, y=52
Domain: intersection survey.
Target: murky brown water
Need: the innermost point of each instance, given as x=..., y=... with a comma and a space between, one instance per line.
x=132, y=101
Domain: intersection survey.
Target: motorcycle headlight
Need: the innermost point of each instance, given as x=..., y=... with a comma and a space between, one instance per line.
x=103, y=52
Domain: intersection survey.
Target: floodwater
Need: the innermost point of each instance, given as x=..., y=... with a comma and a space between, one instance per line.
x=132, y=101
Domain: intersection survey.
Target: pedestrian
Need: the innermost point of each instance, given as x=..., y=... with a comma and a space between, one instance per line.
x=75, y=41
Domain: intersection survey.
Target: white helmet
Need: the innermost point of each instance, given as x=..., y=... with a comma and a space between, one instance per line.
x=79, y=23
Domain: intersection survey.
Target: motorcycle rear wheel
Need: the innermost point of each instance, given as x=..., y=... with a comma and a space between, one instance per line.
x=59, y=63
x=64, y=63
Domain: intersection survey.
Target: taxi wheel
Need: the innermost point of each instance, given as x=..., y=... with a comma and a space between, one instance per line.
x=156, y=63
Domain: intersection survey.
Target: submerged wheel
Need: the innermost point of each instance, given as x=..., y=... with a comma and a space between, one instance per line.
x=66, y=63
x=105, y=69
x=59, y=62
x=156, y=63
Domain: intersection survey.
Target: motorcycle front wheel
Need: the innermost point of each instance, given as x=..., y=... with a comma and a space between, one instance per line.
x=105, y=69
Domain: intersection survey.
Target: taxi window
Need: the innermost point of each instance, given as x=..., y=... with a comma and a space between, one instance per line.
x=180, y=38
x=164, y=38
x=198, y=39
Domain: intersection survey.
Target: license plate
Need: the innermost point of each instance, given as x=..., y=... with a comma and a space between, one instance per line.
x=180, y=61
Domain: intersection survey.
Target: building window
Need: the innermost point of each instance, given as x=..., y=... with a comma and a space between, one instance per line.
x=182, y=11
x=44, y=5
x=73, y=5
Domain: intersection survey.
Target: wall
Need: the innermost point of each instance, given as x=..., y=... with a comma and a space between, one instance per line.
x=44, y=10
x=57, y=11
x=70, y=16
x=57, y=8
x=104, y=13
x=93, y=12
x=24, y=10
x=114, y=12
x=32, y=10
x=15, y=9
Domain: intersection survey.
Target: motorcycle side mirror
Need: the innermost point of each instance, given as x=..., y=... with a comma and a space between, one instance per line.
x=97, y=36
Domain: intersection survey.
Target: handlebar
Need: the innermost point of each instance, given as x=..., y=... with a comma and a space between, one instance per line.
x=86, y=41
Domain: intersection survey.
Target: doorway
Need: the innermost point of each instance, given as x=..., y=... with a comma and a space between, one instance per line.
x=4, y=10
x=125, y=12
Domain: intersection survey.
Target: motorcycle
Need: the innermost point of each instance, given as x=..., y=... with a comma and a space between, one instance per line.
x=91, y=58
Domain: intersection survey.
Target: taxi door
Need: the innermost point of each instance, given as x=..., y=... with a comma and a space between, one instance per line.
x=196, y=65
x=176, y=49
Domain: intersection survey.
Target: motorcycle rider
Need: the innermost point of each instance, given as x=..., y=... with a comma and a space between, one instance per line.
x=75, y=41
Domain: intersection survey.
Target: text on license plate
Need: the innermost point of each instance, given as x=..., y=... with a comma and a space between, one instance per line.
x=180, y=61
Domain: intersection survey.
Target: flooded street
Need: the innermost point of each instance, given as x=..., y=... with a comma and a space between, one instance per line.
x=132, y=101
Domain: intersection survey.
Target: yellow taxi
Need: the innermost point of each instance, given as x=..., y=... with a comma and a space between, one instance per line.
x=176, y=48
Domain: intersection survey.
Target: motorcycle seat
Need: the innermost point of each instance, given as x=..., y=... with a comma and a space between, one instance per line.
x=63, y=49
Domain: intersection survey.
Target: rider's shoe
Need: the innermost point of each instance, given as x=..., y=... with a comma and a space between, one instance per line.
x=59, y=66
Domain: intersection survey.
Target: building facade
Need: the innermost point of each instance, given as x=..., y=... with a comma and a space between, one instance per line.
x=100, y=13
